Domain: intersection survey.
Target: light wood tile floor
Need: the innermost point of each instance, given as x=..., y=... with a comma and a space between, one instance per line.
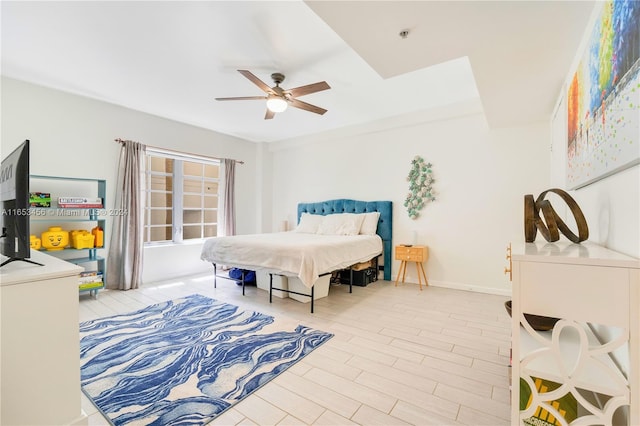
x=399, y=356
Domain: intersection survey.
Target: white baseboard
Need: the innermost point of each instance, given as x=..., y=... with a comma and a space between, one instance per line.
x=83, y=420
x=470, y=287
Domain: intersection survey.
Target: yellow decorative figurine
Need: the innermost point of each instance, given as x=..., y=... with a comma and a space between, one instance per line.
x=35, y=242
x=55, y=238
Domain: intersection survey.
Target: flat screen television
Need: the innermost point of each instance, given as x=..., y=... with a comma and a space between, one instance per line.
x=14, y=195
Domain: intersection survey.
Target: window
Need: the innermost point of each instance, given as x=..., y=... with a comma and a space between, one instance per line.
x=181, y=198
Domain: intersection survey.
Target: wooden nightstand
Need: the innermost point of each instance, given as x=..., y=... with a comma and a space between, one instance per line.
x=417, y=254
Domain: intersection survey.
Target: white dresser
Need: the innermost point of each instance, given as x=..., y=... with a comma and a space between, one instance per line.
x=39, y=343
x=595, y=347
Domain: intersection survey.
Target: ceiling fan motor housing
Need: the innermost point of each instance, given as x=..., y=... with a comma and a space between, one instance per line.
x=277, y=77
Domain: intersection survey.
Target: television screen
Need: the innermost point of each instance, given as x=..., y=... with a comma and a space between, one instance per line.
x=14, y=195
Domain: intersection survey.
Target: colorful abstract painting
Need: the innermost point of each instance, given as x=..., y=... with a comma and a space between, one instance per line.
x=603, y=99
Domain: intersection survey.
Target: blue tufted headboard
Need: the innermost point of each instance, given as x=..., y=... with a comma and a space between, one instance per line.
x=385, y=223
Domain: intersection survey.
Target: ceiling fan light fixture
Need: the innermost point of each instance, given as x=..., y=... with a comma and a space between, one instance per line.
x=276, y=104
x=278, y=99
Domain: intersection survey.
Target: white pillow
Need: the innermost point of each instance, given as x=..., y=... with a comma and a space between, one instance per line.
x=341, y=224
x=309, y=223
x=370, y=223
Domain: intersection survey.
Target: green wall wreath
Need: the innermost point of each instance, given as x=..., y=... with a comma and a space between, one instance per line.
x=420, y=187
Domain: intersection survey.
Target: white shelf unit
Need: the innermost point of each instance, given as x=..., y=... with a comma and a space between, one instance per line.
x=72, y=218
x=593, y=352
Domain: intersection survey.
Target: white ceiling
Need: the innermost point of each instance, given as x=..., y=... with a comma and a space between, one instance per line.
x=172, y=59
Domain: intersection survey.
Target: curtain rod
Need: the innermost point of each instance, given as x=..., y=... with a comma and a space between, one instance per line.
x=172, y=151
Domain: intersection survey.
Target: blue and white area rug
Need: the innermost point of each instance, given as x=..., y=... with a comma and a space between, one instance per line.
x=185, y=361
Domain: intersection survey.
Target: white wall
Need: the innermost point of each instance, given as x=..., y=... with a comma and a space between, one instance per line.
x=73, y=136
x=481, y=178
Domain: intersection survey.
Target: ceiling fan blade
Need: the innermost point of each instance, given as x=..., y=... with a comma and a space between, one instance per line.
x=242, y=98
x=309, y=88
x=269, y=114
x=307, y=107
x=255, y=80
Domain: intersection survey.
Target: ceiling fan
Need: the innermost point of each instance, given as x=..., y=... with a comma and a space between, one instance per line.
x=278, y=98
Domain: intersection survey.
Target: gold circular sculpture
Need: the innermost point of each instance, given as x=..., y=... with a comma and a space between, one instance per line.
x=550, y=224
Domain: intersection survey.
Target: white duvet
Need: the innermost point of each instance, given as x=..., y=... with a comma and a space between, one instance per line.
x=297, y=254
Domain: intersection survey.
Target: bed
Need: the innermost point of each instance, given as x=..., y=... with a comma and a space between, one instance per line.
x=306, y=253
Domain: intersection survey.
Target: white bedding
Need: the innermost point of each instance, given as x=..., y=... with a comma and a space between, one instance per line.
x=297, y=254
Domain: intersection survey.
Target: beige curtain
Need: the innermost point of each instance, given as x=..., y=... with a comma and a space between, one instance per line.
x=229, y=198
x=124, y=268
